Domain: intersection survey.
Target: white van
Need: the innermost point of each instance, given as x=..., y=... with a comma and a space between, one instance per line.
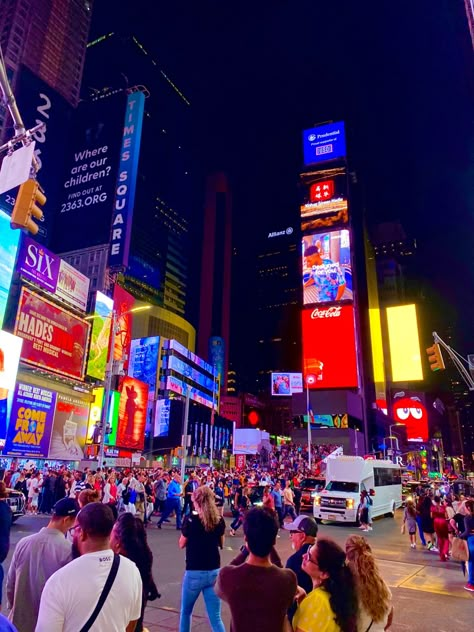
x=346, y=477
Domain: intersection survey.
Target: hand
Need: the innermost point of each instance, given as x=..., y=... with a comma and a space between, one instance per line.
x=300, y=594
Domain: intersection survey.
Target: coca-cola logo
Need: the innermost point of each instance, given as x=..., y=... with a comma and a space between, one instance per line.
x=329, y=312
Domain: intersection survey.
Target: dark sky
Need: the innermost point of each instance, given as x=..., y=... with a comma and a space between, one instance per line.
x=399, y=73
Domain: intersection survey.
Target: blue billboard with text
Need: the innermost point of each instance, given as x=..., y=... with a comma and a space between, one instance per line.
x=323, y=143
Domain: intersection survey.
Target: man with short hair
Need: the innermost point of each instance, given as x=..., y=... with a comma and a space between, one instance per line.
x=277, y=497
x=78, y=485
x=258, y=592
x=288, y=501
x=72, y=594
x=35, y=559
x=303, y=533
x=173, y=502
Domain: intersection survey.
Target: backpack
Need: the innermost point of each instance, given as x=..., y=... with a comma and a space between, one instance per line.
x=133, y=496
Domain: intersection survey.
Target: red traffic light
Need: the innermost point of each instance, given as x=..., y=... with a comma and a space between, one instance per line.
x=254, y=417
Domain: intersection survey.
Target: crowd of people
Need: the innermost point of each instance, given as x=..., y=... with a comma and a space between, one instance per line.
x=98, y=522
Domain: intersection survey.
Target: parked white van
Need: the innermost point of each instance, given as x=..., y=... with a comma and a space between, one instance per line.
x=346, y=477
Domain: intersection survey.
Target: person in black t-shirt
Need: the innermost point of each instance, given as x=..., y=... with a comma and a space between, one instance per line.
x=202, y=537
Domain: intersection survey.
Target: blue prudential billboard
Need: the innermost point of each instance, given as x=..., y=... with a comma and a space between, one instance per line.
x=323, y=143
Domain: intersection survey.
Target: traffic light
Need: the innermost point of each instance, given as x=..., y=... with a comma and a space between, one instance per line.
x=435, y=358
x=26, y=207
x=424, y=464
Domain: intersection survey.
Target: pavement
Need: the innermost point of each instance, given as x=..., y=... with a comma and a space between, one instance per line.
x=427, y=594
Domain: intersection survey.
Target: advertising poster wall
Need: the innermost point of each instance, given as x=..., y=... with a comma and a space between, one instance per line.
x=49, y=272
x=143, y=363
x=123, y=303
x=87, y=188
x=329, y=348
x=100, y=336
x=286, y=384
x=325, y=142
x=31, y=420
x=8, y=250
x=52, y=338
x=69, y=434
x=409, y=409
x=327, y=270
x=132, y=413
x=10, y=350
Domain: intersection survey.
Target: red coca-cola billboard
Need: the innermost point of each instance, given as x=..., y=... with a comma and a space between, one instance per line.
x=329, y=347
x=53, y=338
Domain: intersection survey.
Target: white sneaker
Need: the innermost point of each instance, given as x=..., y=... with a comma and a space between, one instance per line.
x=434, y=549
x=369, y=529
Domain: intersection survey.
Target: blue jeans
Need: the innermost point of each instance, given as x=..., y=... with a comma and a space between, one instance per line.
x=194, y=583
x=172, y=504
x=470, y=564
x=420, y=530
x=289, y=510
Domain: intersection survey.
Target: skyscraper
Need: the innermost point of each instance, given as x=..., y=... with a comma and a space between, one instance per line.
x=214, y=309
x=49, y=37
x=470, y=17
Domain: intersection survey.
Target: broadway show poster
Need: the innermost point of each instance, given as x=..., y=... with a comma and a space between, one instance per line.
x=69, y=429
x=123, y=303
x=31, y=419
x=132, y=413
x=52, y=337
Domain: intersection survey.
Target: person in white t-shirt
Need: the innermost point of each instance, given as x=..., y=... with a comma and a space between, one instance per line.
x=71, y=594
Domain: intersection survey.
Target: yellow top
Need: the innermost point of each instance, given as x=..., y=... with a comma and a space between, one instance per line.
x=315, y=614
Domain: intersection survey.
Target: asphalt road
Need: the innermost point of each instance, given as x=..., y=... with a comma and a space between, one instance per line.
x=428, y=594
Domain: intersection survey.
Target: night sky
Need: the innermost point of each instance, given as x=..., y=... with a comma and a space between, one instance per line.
x=401, y=74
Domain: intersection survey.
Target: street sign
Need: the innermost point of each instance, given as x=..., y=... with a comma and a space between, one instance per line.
x=16, y=167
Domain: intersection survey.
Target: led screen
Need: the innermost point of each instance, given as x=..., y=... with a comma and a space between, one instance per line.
x=8, y=248
x=52, y=337
x=327, y=271
x=404, y=343
x=408, y=408
x=132, y=413
x=143, y=363
x=325, y=142
x=286, y=383
x=69, y=435
x=329, y=348
x=325, y=200
x=10, y=350
x=100, y=337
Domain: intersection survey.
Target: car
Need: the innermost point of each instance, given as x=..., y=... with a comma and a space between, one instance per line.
x=308, y=487
x=17, y=503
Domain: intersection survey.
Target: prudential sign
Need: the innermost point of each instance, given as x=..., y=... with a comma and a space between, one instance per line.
x=326, y=142
x=126, y=181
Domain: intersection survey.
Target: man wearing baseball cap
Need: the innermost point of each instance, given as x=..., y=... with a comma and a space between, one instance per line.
x=35, y=559
x=303, y=532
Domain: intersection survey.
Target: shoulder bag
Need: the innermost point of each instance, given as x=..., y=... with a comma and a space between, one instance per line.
x=459, y=550
x=104, y=594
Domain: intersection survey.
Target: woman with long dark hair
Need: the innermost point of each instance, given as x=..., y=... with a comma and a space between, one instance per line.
x=332, y=604
x=375, y=598
x=203, y=536
x=129, y=539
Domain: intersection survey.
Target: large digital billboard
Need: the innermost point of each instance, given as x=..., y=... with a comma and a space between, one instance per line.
x=325, y=200
x=8, y=249
x=325, y=142
x=69, y=434
x=100, y=336
x=162, y=418
x=408, y=408
x=404, y=343
x=123, y=303
x=46, y=270
x=327, y=270
x=132, y=413
x=286, y=383
x=143, y=363
x=95, y=416
x=52, y=338
x=31, y=421
x=176, y=385
x=329, y=347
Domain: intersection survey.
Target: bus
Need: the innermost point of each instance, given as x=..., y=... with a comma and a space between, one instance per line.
x=347, y=477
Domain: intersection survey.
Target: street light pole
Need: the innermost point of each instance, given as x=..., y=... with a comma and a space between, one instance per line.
x=184, y=441
x=309, y=379
x=107, y=389
x=211, y=439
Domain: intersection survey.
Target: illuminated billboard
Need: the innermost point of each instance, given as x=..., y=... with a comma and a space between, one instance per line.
x=8, y=248
x=408, y=408
x=325, y=200
x=404, y=343
x=143, y=363
x=327, y=270
x=69, y=434
x=53, y=338
x=123, y=303
x=31, y=421
x=162, y=418
x=132, y=413
x=329, y=347
x=95, y=416
x=286, y=383
x=325, y=142
x=100, y=336
x=10, y=351
x=176, y=385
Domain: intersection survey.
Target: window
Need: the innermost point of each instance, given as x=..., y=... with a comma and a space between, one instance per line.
x=384, y=476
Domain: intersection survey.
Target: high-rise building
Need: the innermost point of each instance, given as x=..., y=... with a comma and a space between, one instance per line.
x=49, y=37
x=470, y=17
x=164, y=215
x=214, y=309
